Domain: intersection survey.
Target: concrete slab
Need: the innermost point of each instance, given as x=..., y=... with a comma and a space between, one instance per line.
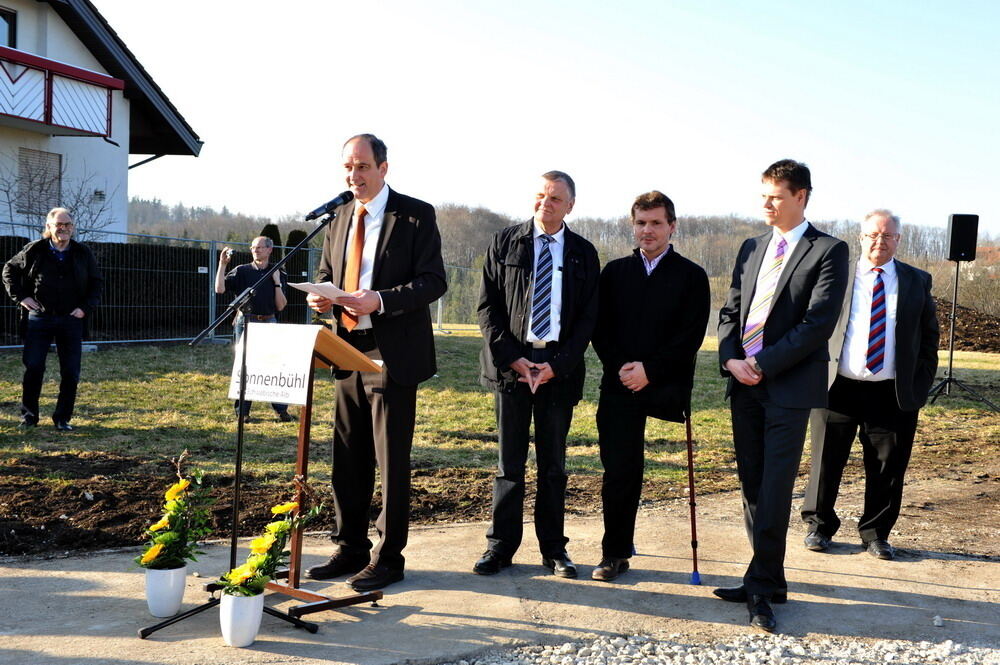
x=85, y=610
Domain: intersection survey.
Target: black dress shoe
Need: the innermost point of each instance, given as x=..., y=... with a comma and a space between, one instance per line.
x=286, y=417
x=881, y=549
x=761, y=614
x=560, y=565
x=27, y=423
x=63, y=426
x=738, y=594
x=375, y=576
x=339, y=564
x=490, y=563
x=816, y=541
x=609, y=568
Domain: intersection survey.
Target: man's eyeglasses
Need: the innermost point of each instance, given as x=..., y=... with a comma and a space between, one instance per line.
x=61, y=225
x=883, y=236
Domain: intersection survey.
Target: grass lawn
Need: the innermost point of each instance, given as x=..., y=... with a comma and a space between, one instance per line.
x=151, y=402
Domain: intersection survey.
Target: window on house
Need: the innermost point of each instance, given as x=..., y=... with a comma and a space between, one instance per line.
x=8, y=28
x=39, y=181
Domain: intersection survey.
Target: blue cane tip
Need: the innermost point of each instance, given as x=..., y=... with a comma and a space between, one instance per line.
x=695, y=578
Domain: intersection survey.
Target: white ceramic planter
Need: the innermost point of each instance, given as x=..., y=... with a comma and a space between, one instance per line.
x=239, y=617
x=165, y=591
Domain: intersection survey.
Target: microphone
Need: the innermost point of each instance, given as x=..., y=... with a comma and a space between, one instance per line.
x=328, y=207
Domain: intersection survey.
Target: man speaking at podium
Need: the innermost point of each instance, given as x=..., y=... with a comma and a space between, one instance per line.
x=385, y=250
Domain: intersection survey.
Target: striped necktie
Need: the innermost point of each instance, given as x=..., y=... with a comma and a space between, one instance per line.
x=352, y=272
x=876, y=328
x=541, y=301
x=760, y=306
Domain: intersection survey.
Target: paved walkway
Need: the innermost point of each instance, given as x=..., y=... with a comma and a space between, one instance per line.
x=85, y=610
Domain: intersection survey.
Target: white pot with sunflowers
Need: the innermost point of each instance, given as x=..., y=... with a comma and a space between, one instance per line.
x=173, y=542
x=243, y=587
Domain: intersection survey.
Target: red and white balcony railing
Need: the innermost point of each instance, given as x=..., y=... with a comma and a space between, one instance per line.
x=51, y=97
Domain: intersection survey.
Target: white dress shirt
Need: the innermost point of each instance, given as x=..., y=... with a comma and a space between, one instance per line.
x=854, y=355
x=556, y=247
x=792, y=238
x=375, y=210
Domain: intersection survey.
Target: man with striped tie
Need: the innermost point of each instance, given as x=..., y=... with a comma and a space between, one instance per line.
x=883, y=357
x=537, y=310
x=786, y=292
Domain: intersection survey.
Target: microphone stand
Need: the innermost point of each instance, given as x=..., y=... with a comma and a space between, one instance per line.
x=241, y=303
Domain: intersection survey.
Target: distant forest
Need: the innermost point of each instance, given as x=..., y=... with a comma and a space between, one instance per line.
x=711, y=241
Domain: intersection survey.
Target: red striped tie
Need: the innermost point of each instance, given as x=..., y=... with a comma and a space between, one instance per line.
x=876, y=329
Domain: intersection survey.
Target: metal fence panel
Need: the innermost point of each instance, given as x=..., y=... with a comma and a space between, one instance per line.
x=162, y=289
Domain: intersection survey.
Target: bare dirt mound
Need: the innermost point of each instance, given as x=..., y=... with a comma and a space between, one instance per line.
x=974, y=330
x=60, y=503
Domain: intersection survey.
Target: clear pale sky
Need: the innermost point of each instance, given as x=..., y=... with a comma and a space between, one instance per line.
x=891, y=103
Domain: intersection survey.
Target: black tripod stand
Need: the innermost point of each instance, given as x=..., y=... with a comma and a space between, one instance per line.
x=949, y=378
x=241, y=304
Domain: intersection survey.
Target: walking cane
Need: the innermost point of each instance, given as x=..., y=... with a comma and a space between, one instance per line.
x=695, y=577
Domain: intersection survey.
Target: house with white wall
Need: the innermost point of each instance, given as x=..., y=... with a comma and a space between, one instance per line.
x=74, y=104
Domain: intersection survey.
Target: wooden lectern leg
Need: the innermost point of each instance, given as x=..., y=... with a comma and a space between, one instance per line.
x=314, y=602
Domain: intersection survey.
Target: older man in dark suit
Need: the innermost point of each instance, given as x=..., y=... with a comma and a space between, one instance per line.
x=883, y=359
x=537, y=308
x=787, y=289
x=385, y=250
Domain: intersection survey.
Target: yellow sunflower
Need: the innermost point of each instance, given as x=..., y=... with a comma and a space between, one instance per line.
x=177, y=489
x=283, y=508
x=151, y=553
x=163, y=523
x=262, y=545
x=241, y=574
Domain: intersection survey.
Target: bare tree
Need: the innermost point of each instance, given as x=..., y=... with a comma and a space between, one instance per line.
x=29, y=189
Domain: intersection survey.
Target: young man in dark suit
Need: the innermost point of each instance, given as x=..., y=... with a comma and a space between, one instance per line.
x=787, y=289
x=652, y=317
x=537, y=308
x=385, y=250
x=883, y=357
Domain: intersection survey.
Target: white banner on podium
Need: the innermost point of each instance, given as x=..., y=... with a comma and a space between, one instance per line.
x=278, y=361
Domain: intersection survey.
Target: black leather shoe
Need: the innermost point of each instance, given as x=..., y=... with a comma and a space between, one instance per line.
x=881, y=549
x=339, y=564
x=490, y=563
x=27, y=424
x=63, y=426
x=375, y=576
x=738, y=594
x=609, y=568
x=560, y=565
x=761, y=614
x=286, y=417
x=816, y=541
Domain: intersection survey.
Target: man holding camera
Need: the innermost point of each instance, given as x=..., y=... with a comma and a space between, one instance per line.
x=264, y=305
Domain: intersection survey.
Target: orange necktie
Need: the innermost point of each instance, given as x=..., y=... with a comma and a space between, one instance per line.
x=352, y=273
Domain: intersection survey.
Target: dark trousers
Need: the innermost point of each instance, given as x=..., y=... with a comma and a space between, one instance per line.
x=67, y=333
x=621, y=427
x=237, y=333
x=373, y=424
x=768, y=440
x=552, y=414
x=871, y=411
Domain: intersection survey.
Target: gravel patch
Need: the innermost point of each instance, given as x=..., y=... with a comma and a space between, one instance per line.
x=757, y=649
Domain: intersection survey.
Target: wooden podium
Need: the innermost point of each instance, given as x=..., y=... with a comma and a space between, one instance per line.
x=329, y=352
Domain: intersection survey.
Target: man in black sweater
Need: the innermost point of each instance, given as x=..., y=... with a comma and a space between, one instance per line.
x=653, y=314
